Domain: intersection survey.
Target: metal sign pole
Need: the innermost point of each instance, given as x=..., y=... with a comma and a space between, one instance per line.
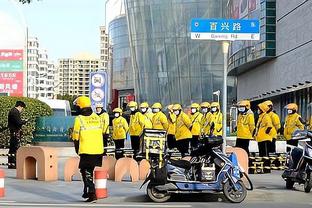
x=225, y=48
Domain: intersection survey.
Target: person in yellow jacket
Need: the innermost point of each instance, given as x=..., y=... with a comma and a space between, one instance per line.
x=216, y=120
x=159, y=120
x=136, y=126
x=183, y=134
x=263, y=130
x=245, y=125
x=276, y=124
x=88, y=139
x=206, y=119
x=120, y=129
x=196, y=118
x=100, y=111
x=171, y=127
x=293, y=122
x=146, y=116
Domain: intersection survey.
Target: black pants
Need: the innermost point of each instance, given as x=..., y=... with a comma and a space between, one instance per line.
x=171, y=141
x=264, y=148
x=15, y=137
x=87, y=178
x=273, y=146
x=183, y=146
x=243, y=143
x=105, y=140
x=119, y=144
x=293, y=143
x=194, y=141
x=135, y=144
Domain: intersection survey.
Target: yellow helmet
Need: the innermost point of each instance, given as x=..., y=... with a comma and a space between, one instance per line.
x=268, y=103
x=144, y=105
x=132, y=104
x=205, y=105
x=117, y=110
x=195, y=105
x=264, y=107
x=170, y=107
x=245, y=103
x=292, y=106
x=83, y=102
x=215, y=104
x=157, y=105
x=177, y=107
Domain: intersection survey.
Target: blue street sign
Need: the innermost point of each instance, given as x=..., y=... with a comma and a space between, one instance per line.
x=99, y=88
x=225, y=29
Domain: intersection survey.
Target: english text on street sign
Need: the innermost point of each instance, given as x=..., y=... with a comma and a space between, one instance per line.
x=225, y=29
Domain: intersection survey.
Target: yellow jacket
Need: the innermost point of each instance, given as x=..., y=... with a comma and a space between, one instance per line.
x=183, y=125
x=105, y=120
x=205, y=123
x=264, y=122
x=310, y=123
x=276, y=124
x=160, y=121
x=216, y=119
x=146, y=119
x=245, y=125
x=120, y=128
x=196, y=119
x=172, y=123
x=292, y=123
x=88, y=131
x=136, y=124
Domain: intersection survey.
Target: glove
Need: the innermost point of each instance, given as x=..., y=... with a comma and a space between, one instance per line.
x=267, y=131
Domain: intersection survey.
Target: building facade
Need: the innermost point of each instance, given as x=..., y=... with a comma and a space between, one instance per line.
x=168, y=66
x=104, y=48
x=40, y=71
x=74, y=74
x=285, y=76
x=121, y=67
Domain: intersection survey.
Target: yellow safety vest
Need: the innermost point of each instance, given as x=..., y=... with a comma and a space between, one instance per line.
x=196, y=119
x=216, y=118
x=136, y=125
x=105, y=121
x=205, y=123
x=183, y=125
x=276, y=124
x=292, y=123
x=160, y=121
x=88, y=131
x=263, y=123
x=245, y=125
x=120, y=128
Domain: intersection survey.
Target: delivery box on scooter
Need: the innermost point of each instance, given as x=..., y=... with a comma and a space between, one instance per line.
x=153, y=141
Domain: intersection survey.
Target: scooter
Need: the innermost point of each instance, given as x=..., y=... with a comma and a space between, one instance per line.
x=208, y=171
x=299, y=162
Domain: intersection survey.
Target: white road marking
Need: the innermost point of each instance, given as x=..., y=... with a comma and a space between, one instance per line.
x=9, y=203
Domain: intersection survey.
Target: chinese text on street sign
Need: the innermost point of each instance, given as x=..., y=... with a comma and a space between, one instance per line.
x=225, y=29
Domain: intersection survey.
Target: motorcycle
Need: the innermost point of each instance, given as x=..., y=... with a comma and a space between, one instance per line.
x=299, y=162
x=208, y=171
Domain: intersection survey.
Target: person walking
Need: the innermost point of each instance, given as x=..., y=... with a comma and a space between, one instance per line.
x=88, y=139
x=293, y=122
x=183, y=134
x=245, y=125
x=100, y=111
x=120, y=129
x=263, y=129
x=15, y=124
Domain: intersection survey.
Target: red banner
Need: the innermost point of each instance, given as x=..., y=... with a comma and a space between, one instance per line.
x=11, y=83
x=11, y=55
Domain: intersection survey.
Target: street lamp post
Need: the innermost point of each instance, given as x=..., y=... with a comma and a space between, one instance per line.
x=225, y=48
x=217, y=93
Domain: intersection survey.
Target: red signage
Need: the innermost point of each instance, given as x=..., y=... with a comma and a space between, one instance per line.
x=11, y=55
x=11, y=83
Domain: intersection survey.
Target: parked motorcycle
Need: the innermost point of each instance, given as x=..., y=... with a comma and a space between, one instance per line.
x=208, y=171
x=299, y=162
